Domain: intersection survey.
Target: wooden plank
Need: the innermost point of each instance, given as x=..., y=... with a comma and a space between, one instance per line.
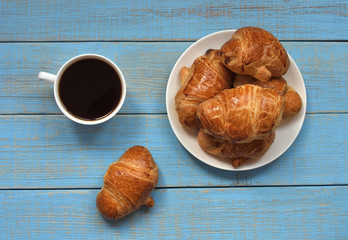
x=147, y=66
x=54, y=152
x=58, y=20
x=242, y=213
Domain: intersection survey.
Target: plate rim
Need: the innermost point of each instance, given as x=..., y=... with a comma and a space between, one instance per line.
x=304, y=106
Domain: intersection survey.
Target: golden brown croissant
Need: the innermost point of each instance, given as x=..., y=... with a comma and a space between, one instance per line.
x=240, y=79
x=256, y=52
x=241, y=114
x=292, y=100
x=206, y=78
x=128, y=183
x=277, y=83
x=237, y=152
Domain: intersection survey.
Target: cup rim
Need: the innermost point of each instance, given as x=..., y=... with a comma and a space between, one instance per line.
x=68, y=64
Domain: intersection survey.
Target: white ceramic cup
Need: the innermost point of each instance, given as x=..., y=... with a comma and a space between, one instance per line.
x=55, y=79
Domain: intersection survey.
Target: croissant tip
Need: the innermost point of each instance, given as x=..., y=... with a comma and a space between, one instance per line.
x=208, y=51
x=149, y=202
x=236, y=162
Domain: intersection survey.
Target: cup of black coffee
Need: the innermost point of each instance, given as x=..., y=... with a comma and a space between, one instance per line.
x=89, y=89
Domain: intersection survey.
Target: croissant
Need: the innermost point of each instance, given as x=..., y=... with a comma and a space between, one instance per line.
x=206, y=78
x=277, y=83
x=237, y=152
x=292, y=100
x=241, y=114
x=256, y=52
x=240, y=79
x=128, y=183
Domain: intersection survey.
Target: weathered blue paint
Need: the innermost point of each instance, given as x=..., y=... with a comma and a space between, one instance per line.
x=295, y=197
x=237, y=213
x=57, y=20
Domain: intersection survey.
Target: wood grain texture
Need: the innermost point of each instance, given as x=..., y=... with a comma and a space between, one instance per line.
x=41, y=149
x=58, y=20
x=146, y=67
x=242, y=213
x=54, y=152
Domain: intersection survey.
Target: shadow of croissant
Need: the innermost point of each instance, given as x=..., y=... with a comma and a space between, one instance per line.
x=130, y=219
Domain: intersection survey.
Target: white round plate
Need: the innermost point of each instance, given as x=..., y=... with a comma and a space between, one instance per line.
x=286, y=133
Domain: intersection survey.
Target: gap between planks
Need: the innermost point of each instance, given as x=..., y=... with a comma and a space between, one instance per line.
x=156, y=41
x=183, y=187
x=143, y=114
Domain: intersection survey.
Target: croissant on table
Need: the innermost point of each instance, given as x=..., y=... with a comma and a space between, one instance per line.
x=237, y=152
x=206, y=78
x=128, y=183
x=242, y=114
x=292, y=100
x=255, y=52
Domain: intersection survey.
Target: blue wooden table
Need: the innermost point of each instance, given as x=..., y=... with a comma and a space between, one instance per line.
x=51, y=169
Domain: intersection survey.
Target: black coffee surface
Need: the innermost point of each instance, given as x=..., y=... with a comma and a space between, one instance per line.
x=90, y=89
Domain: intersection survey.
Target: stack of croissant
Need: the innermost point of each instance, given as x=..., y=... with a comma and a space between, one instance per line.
x=236, y=96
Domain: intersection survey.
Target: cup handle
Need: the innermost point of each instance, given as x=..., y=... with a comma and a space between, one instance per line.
x=48, y=77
